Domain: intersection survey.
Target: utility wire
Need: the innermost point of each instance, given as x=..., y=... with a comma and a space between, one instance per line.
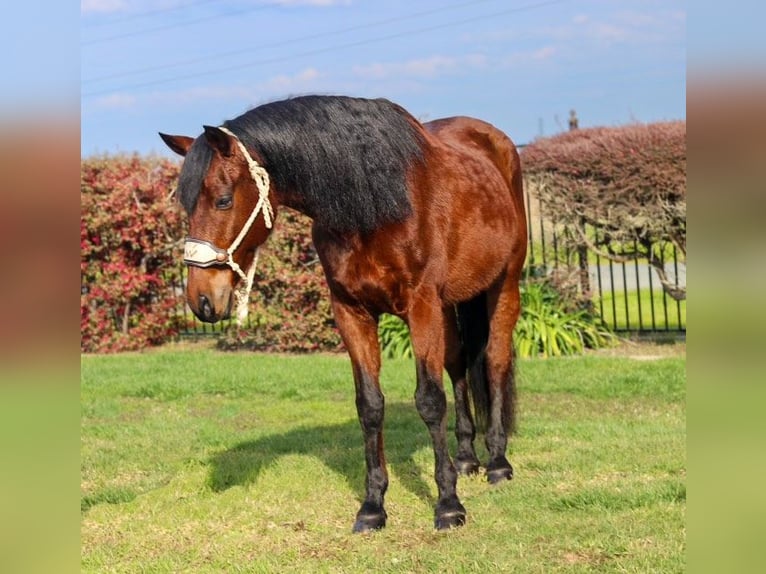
x=175, y=25
x=146, y=14
x=323, y=50
x=282, y=42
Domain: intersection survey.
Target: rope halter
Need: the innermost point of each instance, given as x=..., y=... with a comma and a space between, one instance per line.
x=201, y=253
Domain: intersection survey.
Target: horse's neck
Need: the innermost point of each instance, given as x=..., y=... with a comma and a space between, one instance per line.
x=293, y=200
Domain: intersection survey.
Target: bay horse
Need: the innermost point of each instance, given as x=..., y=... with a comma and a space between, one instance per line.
x=422, y=221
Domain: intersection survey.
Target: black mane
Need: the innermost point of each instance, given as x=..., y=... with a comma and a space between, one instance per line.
x=347, y=158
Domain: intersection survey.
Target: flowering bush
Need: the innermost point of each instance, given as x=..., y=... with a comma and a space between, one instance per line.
x=129, y=247
x=131, y=236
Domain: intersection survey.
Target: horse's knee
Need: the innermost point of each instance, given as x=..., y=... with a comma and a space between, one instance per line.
x=371, y=411
x=431, y=403
x=370, y=404
x=430, y=398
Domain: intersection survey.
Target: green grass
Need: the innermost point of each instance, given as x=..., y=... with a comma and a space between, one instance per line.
x=640, y=306
x=201, y=461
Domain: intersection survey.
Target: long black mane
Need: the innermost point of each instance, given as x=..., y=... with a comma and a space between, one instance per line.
x=347, y=158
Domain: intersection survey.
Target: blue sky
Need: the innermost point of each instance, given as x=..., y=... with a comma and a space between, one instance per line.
x=171, y=66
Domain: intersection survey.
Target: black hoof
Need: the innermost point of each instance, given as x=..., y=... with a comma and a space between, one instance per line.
x=369, y=518
x=449, y=514
x=467, y=466
x=499, y=471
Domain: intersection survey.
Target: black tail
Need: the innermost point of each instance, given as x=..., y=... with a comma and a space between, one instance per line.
x=473, y=321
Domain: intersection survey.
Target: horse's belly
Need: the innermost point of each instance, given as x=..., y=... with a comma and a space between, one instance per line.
x=472, y=274
x=478, y=255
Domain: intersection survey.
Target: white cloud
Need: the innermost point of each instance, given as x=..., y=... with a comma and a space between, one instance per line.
x=320, y=3
x=619, y=28
x=277, y=86
x=102, y=6
x=116, y=101
x=609, y=33
x=299, y=81
x=543, y=53
x=425, y=67
x=625, y=27
x=202, y=94
x=532, y=56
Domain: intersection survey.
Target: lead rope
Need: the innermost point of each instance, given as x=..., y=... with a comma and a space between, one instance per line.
x=261, y=178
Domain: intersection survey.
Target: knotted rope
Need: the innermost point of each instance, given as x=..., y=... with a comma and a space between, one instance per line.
x=261, y=178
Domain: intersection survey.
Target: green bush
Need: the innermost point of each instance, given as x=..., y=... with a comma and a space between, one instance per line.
x=394, y=336
x=548, y=328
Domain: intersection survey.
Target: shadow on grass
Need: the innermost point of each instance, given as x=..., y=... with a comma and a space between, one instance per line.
x=339, y=446
x=107, y=496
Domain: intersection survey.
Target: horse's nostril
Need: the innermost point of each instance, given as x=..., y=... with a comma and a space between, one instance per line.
x=205, y=309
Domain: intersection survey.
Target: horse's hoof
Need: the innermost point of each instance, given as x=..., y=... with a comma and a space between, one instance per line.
x=369, y=518
x=466, y=466
x=499, y=471
x=450, y=514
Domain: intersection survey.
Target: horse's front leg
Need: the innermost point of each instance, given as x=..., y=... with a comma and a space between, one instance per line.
x=359, y=331
x=426, y=323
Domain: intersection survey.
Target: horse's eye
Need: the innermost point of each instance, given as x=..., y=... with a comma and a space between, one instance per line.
x=223, y=202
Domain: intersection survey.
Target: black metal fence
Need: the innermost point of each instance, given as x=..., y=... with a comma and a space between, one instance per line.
x=193, y=327
x=628, y=296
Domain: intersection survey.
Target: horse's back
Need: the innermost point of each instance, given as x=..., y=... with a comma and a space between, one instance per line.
x=480, y=140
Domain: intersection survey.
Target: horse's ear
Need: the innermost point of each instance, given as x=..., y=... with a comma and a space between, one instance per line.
x=179, y=144
x=219, y=140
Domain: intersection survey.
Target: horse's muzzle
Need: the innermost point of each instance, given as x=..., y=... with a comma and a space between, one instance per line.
x=210, y=300
x=206, y=312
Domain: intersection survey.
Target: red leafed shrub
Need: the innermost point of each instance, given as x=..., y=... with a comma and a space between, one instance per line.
x=620, y=192
x=290, y=305
x=131, y=233
x=129, y=253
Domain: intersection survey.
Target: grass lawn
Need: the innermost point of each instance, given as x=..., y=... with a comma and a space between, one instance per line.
x=200, y=461
x=641, y=309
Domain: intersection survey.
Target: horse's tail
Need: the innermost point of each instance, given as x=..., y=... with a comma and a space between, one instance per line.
x=473, y=321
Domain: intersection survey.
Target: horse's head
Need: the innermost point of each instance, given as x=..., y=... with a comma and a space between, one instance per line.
x=225, y=192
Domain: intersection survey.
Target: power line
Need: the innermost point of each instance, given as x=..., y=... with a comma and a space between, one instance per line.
x=282, y=42
x=146, y=14
x=174, y=25
x=324, y=50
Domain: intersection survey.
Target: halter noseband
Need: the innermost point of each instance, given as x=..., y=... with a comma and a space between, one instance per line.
x=201, y=253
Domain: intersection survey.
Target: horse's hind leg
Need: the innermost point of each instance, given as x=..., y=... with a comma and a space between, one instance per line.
x=360, y=335
x=426, y=323
x=466, y=461
x=503, y=302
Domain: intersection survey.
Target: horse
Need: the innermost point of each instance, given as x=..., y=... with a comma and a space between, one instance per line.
x=424, y=221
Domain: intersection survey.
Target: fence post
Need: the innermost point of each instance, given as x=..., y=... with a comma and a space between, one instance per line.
x=582, y=262
x=582, y=251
